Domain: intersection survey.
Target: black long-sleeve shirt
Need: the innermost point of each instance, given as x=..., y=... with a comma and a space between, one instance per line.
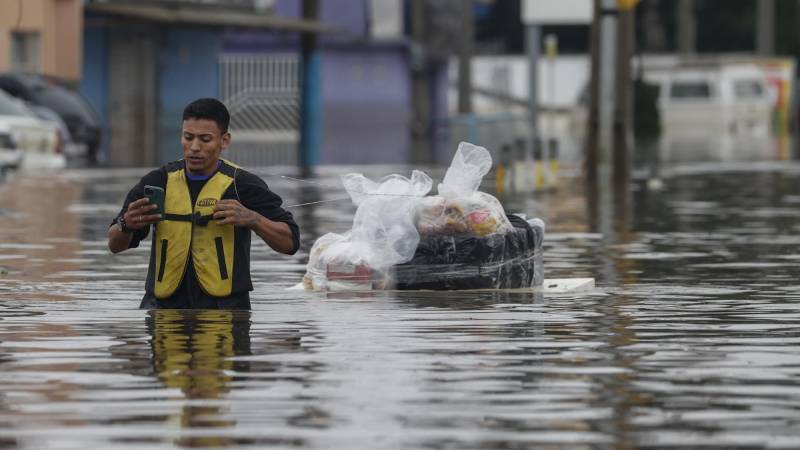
x=254, y=194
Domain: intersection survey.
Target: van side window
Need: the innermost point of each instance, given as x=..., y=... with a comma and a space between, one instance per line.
x=689, y=90
x=748, y=89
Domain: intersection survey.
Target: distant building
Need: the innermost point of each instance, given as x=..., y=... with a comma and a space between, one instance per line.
x=144, y=60
x=41, y=36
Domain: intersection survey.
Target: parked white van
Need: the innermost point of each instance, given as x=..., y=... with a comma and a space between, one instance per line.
x=714, y=111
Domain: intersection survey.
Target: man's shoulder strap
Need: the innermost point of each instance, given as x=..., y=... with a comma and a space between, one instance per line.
x=174, y=166
x=228, y=168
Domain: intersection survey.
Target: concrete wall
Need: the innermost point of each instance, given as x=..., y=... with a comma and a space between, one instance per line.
x=59, y=24
x=67, y=46
x=560, y=80
x=365, y=84
x=184, y=69
x=366, y=108
x=94, y=83
x=188, y=71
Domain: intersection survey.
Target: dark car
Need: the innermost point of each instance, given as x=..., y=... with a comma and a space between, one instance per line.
x=82, y=122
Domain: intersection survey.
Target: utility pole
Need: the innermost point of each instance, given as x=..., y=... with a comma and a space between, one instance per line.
x=610, y=117
x=310, y=101
x=465, y=58
x=623, y=129
x=420, y=89
x=765, y=27
x=600, y=142
x=687, y=28
x=623, y=126
x=607, y=96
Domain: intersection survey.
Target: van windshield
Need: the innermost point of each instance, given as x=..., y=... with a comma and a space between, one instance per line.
x=690, y=90
x=748, y=89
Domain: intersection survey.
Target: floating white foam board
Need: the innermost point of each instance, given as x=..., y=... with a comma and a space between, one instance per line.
x=566, y=285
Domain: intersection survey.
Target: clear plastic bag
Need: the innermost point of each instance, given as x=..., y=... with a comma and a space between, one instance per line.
x=470, y=164
x=460, y=207
x=383, y=224
x=383, y=234
x=465, y=232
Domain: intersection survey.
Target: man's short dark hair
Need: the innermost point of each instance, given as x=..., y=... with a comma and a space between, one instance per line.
x=209, y=109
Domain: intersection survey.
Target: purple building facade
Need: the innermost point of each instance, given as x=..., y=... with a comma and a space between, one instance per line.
x=365, y=82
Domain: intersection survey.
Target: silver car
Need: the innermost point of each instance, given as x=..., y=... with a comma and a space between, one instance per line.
x=25, y=140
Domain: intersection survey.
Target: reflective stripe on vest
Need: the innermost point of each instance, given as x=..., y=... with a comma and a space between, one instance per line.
x=211, y=245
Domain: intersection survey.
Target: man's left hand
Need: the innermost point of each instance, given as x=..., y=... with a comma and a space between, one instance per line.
x=231, y=212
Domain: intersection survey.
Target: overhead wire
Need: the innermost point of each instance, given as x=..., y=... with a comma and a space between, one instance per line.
x=336, y=187
x=339, y=187
x=319, y=201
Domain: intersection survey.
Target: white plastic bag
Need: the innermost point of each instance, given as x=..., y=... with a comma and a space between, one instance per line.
x=393, y=212
x=384, y=220
x=460, y=207
x=470, y=164
x=383, y=233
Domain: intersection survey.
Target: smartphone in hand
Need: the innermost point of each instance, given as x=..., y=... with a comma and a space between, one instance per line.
x=156, y=196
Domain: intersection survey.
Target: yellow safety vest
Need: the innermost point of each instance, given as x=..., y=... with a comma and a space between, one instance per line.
x=188, y=228
x=184, y=346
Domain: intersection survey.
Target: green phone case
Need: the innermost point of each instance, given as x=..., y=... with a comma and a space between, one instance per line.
x=156, y=196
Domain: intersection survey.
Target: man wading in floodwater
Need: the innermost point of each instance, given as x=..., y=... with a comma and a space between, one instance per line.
x=200, y=256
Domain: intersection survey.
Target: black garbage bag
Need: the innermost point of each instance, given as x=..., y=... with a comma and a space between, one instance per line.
x=469, y=261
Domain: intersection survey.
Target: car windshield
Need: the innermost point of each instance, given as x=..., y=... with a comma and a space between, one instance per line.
x=63, y=101
x=9, y=106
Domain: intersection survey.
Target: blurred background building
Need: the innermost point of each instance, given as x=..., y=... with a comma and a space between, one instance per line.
x=146, y=60
x=42, y=36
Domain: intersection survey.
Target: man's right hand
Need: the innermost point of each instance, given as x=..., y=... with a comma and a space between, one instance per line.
x=137, y=216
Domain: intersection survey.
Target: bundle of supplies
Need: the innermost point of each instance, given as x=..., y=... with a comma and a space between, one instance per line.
x=404, y=239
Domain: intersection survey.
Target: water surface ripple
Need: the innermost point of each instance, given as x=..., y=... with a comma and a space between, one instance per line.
x=690, y=341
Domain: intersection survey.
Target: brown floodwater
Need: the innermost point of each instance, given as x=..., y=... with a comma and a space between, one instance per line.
x=690, y=340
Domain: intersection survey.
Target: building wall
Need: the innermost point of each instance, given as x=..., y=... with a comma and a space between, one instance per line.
x=188, y=70
x=353, y=17
x=365, y=103
x=350, y=15
x=68, y=53
x=94, y=82
x=365, y=85
x=365, y=82
x=365, y=100
x=184, y=68
x=59, y=24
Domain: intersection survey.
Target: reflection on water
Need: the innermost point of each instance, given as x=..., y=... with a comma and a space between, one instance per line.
x=192, y=351
x=691, y=340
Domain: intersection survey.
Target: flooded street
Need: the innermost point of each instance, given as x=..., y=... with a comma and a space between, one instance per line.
x=690, y=340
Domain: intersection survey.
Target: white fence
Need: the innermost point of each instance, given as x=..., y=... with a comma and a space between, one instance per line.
x=262, y=93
